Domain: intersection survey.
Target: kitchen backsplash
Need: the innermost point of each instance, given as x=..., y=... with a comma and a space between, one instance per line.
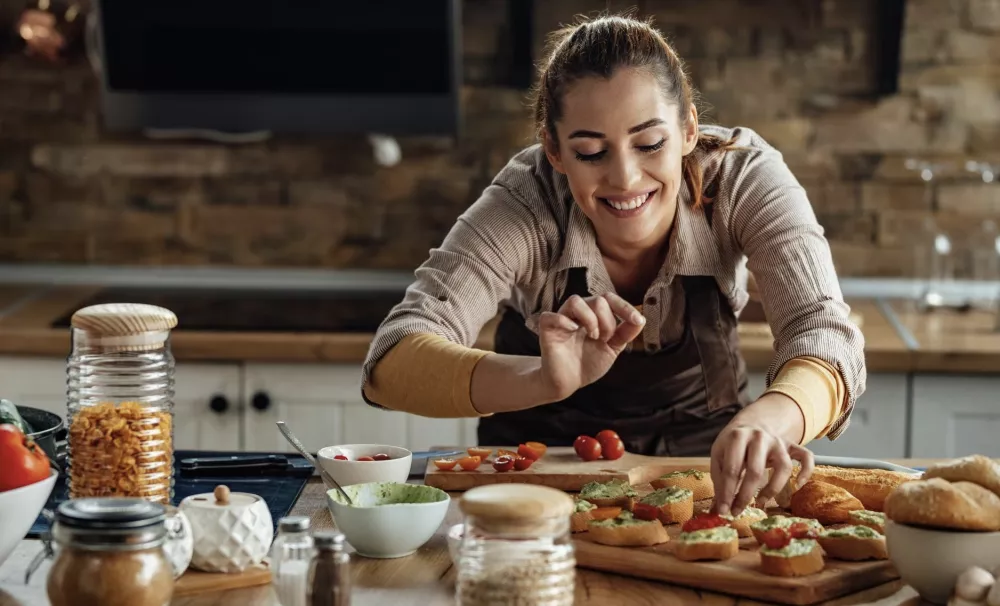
x=820, y=79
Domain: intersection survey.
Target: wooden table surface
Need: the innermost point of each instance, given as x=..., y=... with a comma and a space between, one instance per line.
x=426, y=578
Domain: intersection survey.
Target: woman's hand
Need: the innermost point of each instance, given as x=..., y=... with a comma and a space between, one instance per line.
x=759, y=437
x=581, y=341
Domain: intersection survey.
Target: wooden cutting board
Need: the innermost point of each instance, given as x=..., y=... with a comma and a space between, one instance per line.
x=196, y=581
x=561, y=468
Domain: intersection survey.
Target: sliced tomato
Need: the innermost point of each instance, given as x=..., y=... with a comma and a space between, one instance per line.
x=643, y=511
x=527, y=452
x=482, y=453
x=587, y=448
x=775, y=538
x=704, y=521
x=503, y=463
x=612, y=449
x=522, y=463
x=445, y=464
x=508, y=453
x=470, y=463
x=537, y=447
x=605, y=513
x=801, y=530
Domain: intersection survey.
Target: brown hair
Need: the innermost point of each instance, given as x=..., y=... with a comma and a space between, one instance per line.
x=599, y=47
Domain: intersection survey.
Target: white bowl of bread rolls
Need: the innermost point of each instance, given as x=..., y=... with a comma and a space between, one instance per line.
x=945, y=524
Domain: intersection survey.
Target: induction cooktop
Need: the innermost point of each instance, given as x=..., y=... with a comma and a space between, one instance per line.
x=258, y=310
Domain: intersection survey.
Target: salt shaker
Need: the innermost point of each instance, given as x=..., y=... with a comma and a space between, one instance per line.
x=290, y=556
x=516, y=548
x=329, y=577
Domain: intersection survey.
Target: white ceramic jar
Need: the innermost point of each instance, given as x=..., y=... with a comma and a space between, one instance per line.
x=232, y=531
x=179, y=545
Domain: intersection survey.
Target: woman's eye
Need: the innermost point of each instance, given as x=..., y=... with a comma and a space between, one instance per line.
x=654, y=147
x=589, y=157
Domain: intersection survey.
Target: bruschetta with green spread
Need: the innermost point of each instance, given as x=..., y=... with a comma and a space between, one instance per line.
x=759, y=527
x=707, y=537
x=626, y=530
x=698, y=482
x=791, y=552
x=854, y=543
x=674, y=505
x=748, y=517
x=581, y=516
x=614, y=493
x=872, y=519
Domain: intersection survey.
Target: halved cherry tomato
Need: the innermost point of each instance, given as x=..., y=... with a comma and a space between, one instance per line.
x=381, y=457
x=507, y=453
x=643, y=511
x=469, y=463
x=366, y=458
x=527, y=452
x=587, y=448
x=341, y=458
x=607, y=434
x=775, y=538
x=612, y=449
x=801, y=530
x=522, y=463
x=445, y=464
x=482, y=453
x=605, y=513
x=503, y=463
x=704, y=521
x=537, y=447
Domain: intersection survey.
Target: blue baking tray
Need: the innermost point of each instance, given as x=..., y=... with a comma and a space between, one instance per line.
x=279, y=491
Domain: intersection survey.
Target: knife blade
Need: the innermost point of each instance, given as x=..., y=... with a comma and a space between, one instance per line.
x=860, y=463
x=234, y=465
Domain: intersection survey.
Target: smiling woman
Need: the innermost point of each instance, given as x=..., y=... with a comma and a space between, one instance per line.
x=611, y=248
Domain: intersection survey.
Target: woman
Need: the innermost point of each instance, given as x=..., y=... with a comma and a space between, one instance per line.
x=613, y=248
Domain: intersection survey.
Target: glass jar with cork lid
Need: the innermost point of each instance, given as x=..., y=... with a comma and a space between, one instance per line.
x=516, y=547
x=120, y=390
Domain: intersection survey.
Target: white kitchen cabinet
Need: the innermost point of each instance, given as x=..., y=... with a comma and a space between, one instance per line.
x=955, y=415
x=207, y=406
x=34, y=381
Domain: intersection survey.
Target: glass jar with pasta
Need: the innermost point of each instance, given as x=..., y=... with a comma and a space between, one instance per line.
x=120, y=389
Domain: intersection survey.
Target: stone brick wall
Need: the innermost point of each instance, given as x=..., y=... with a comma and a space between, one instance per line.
x=806, y=74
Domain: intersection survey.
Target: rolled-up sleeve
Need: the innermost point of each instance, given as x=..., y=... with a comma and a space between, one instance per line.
x=774, y=224
x=496, y=244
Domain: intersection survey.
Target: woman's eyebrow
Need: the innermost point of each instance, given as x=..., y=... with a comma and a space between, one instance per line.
x=592, y=134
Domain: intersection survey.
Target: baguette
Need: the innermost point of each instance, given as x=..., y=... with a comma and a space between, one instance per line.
x=675, y=505
x=719, y=543
x=626, y=531
x=825, y=503
x=853, y=543
x=784, y=522
x=872, y=519
x=799, y=558
x=974, y=468
x=614, y=493
x=870, y=486
x=698, y=482
x=938, y=503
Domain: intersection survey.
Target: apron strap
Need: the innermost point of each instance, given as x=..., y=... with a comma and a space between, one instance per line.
x=715, y=336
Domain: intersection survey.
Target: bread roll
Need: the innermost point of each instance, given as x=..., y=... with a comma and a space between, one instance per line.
x=825, y=503
x=938, y=503
x=870, y=486
x=975, y=468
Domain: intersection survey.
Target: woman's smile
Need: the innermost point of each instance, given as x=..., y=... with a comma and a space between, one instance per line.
x=629, y=205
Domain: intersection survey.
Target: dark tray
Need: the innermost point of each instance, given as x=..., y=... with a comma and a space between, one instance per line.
x=279, y=490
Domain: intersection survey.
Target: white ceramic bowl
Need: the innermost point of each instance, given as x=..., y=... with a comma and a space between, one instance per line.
x=352, y=471
x=382, y=527
x=19, y=508
x=931, y=560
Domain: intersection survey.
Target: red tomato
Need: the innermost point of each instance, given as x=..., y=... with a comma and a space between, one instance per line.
x=469, y=463
x=703, y=521
x=801, y=530
x=381, y=457
x=612, y=449
x=776, y=538
x=643, y=511
x=522, y=463
x=482, y=453
x=527, y=452
x=341, y=458
x=24, y=462
x=503, y=463
x=366, y=458
x=587, y=448
x=607, y=434
x=445, y=464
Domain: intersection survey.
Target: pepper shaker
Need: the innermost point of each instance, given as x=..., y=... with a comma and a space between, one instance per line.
x=329, y=579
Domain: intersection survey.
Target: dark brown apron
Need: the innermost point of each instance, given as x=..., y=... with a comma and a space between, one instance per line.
x=670, y=403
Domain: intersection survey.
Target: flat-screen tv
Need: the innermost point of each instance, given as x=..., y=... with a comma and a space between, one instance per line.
x=296, y=66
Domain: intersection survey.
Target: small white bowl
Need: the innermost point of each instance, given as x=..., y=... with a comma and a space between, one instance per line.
x=19, y=508
x=352, y=471
x=380, y=526
x=931, y=561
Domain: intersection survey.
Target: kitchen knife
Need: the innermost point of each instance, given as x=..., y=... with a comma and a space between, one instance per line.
x=240, y=465
x=860, y=463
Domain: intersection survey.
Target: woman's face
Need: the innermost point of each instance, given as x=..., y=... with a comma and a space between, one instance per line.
x=620, y=147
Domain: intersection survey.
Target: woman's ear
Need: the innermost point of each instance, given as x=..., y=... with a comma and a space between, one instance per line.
x=691, y=130
x=552, y=152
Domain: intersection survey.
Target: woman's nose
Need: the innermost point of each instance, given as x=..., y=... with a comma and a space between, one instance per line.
x=624, y=172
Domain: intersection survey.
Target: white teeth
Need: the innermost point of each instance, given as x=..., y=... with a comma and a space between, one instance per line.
x=629, y=204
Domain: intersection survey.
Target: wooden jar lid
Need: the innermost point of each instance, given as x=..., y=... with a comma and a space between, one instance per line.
x=123, y=319
x=516, y=502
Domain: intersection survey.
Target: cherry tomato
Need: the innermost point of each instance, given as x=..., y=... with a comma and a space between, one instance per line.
x=704, y=521
x=445, y=464
x=527, y=452
x=775, y=538
x=341, y=458
x=537, y=447
x=612, y=449
x=469, y=463
x=643, y=511
x=801, y=530
x=22, y=461
x=587, y=448
x=522, y=463
x=366, y=459
x=503, y=463
x=381, y=457
x=605, y=513
x=607, y=434
x=482, y=453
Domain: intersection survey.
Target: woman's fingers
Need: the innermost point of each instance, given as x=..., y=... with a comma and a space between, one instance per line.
x=805, y=458
x=754, y=470
x=623, y=309
x=781, y=464
x=727, y=466
x=553, y=321
x=606, y=321
x=576, y=309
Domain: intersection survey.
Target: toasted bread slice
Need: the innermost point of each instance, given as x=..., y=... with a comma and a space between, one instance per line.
x=872, y=519
x=581, y=516
x=626, y=531
x=799, y=558
x=748, y=517
x=698, y=482
x=826, y=503
x=675, y=505
x=784, y=522
x=853, y=543
x=719, y=543
x=614, y=493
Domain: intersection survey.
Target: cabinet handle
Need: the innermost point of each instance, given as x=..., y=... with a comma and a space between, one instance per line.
x=219, y=404
x=261, y=401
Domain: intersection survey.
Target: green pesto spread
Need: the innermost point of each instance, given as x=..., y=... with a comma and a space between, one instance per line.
x=615, y=489
x=861, y=532
x=872, y=517
x=583, y=506
x=749, y=512
x=784, y=522
x=624, y=519
x=663, y=496
x=720, y=534
x=684, y=474
x=796, y=547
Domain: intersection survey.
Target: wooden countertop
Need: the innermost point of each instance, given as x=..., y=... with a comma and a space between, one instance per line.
x=945, y=342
